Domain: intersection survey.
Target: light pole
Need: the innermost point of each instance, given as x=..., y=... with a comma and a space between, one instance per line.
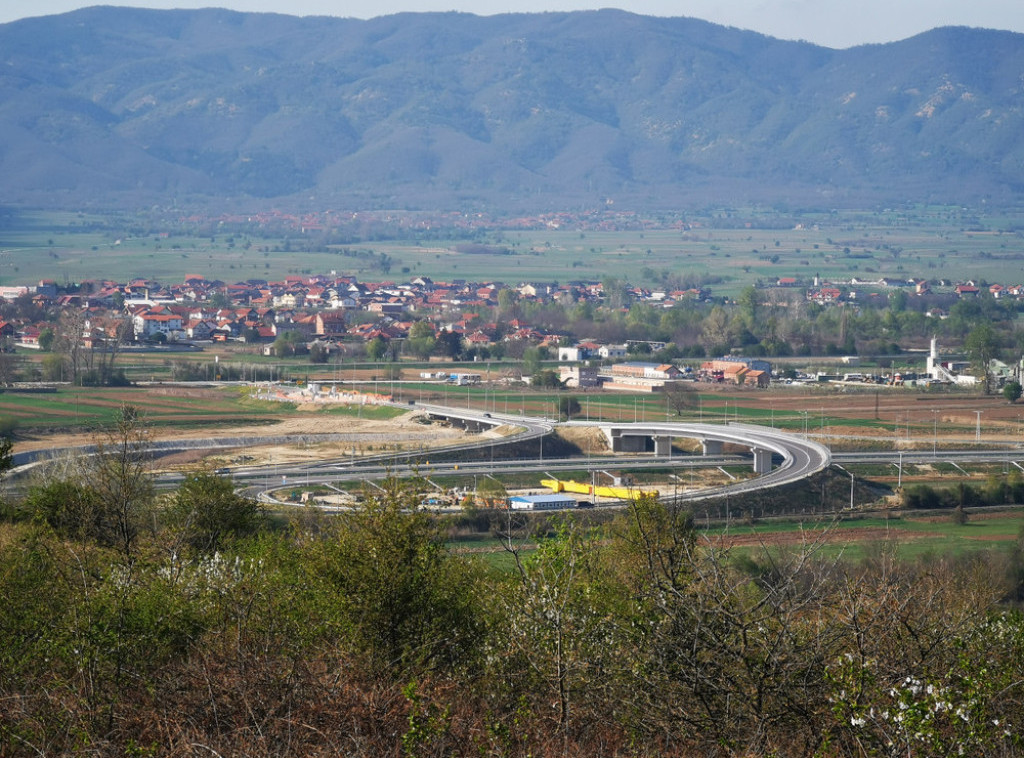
x=850, y=474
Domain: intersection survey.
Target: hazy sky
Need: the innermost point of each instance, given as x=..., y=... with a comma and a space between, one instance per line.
x=835, y=23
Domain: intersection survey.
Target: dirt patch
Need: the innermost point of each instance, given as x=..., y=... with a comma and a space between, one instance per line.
x=811, y=537
x=971, y=516
x=367, y=435
x=987, y=538
x=587, y=439
x=184, y=458
x=189, y=392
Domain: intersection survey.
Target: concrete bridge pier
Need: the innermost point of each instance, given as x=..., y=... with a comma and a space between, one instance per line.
x=711, y=447
x=662, y=444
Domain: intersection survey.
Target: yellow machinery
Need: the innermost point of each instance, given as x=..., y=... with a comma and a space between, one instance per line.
x=620, y=493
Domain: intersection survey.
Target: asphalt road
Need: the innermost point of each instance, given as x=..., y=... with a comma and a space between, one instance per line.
x=795, y=456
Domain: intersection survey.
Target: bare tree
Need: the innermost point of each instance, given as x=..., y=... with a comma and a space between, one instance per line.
x=123, y=478
x=681, y=397
x=107, y=351
x=9, y=367
x=70, y=342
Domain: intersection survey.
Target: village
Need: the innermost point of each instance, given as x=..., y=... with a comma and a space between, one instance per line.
x=330, y=318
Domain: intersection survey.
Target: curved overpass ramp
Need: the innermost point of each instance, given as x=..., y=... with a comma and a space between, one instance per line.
x=800, y=457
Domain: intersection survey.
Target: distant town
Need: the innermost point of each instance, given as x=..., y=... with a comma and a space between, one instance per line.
x=331, y=317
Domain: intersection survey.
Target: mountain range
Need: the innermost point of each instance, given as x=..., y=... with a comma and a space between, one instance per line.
x=118, y=107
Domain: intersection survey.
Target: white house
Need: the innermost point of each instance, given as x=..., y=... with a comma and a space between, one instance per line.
x=148, y=324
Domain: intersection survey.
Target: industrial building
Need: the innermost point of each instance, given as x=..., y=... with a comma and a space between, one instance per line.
x=541, y=502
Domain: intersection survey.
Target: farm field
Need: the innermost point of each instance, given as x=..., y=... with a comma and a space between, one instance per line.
x=77, y=415
x=907, y=535
x=727, y=250
x=900, y=418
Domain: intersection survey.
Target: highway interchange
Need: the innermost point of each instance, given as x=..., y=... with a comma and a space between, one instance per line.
x=792, y=457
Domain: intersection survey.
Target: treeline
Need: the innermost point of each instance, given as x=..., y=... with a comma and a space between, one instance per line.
x=771, y=322
x=997, y=490
x=194, y=624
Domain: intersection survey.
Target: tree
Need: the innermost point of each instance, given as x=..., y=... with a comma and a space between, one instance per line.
x=46, y=338
x=421, y=341
x=289, y=343
x=102, y=356
x=449, y=344
x=105, y=498
x=616, y=292
x=122, y=478
x=69, y=342
x=209, y=513
x=1012, y=391
x=748, y=302
x=9, y=365
x=54, y=367
x=981, y=345
x=507, y=302
x=532, y=357
x=546, y=379
x=568, y=406
x=562, y=635
x=680, y=397
x=219, y=300
x=71, y=508
x=6, y=454
x=376, y=348
x=318, y=353
x=409, y=604
x=715, y=331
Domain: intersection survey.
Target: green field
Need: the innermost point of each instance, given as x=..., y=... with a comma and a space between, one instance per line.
x=79, y=408
x=908, y=535
x=728, y=250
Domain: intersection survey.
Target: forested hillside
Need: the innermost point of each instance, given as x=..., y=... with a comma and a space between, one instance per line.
x=193, y=623
x=125, y=107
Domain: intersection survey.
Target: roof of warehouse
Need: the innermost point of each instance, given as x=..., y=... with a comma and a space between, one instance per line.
x=542, y=498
